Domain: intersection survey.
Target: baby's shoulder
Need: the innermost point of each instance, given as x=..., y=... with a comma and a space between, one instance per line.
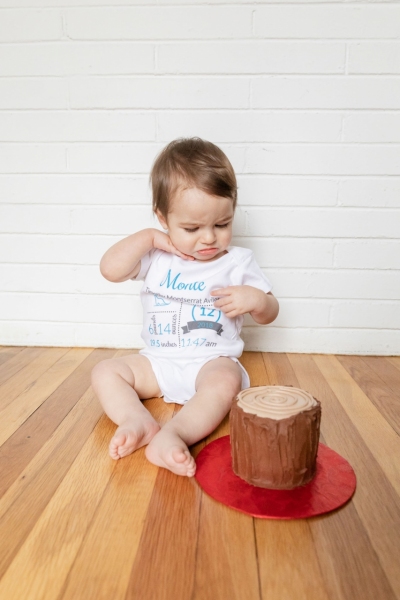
x=239, y=255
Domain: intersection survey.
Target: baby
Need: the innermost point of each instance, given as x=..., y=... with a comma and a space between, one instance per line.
x=196, y=290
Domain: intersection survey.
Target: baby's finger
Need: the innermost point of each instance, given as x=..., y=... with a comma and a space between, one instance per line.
x=222, y=301
x=220, y=292
x=227, y=308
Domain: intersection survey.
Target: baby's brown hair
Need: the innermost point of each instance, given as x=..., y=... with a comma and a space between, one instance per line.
x=191, y=162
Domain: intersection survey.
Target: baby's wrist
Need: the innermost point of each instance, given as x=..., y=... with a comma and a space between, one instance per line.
x=260, y=304
x=150, y=237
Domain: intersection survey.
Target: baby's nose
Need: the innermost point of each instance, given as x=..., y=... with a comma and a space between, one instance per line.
x=208, y=236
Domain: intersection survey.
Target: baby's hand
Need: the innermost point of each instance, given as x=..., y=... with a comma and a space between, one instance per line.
x=238, y=299
x=163, y=242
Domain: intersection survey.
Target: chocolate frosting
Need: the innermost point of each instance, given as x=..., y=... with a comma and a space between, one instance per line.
x=275, y=453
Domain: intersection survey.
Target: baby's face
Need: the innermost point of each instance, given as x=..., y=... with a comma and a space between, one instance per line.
x=199, y=224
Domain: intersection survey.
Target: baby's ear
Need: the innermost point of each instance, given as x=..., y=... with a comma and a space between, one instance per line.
x=162, y=220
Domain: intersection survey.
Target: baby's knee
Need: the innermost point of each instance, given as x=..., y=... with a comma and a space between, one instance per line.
x=230, y=383
x=106, y=371
x=101, y=372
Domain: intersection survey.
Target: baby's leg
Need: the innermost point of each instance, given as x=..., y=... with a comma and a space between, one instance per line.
x=217, y=383
x=119, y=383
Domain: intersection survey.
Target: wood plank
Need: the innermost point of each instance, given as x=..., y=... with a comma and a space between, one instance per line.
x=378, y=435
x=98, y=572
x=226, y=555
x=18, y=362
x=61, y=432
x=7, y=352
x=375, y=501
x=279, y=369
x=226, y=565
x=16, y=413
x=394, y=360
x=387, y=372
x=48, y=552
x=288, y=562
x=131, y=530
x=164, y=557
x=164, y=565
x=349, y=563
x=28, y=375
x=254, y=364
x=171, y=525
x=41, y=478
x=280, y=578
x=380, y=381
x=22, y=446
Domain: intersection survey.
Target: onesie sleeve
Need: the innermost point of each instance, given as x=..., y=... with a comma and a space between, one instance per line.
x=249, y=273
x=145, y=263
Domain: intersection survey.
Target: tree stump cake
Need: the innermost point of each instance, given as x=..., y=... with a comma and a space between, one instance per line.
x=275, y=436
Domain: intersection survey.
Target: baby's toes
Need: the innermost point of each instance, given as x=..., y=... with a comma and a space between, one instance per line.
x=115, y=446
x=191, y=469
x=123, y=443
x=189, y=464
x=181, y=456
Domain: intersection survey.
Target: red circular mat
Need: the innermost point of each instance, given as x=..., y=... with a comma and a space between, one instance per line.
x=333, y=485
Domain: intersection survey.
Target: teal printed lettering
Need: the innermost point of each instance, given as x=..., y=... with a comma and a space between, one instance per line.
x=210, y=312
x=172, y=282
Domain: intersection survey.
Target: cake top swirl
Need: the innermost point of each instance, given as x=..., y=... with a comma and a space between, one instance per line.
x=275, y=401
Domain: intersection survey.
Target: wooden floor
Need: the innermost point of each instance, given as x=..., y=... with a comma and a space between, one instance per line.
x=75, y=525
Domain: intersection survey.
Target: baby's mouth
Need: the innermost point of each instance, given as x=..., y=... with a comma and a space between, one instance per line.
x=207, y=251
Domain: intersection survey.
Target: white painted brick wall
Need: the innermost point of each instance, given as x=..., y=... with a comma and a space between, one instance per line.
x=303, y=96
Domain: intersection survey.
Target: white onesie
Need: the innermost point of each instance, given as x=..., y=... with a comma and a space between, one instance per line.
x=181, y=328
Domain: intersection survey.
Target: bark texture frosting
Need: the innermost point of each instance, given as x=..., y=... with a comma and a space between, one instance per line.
x=275, y=436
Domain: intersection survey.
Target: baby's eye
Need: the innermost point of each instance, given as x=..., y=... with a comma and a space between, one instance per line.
x=191, y=230
x=222, y=226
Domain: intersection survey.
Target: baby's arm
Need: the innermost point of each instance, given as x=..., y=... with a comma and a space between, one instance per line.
x=122, y=261
x=241, y=299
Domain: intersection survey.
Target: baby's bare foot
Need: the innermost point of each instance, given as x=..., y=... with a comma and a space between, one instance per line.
x=168, y=450
x=130, y=436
